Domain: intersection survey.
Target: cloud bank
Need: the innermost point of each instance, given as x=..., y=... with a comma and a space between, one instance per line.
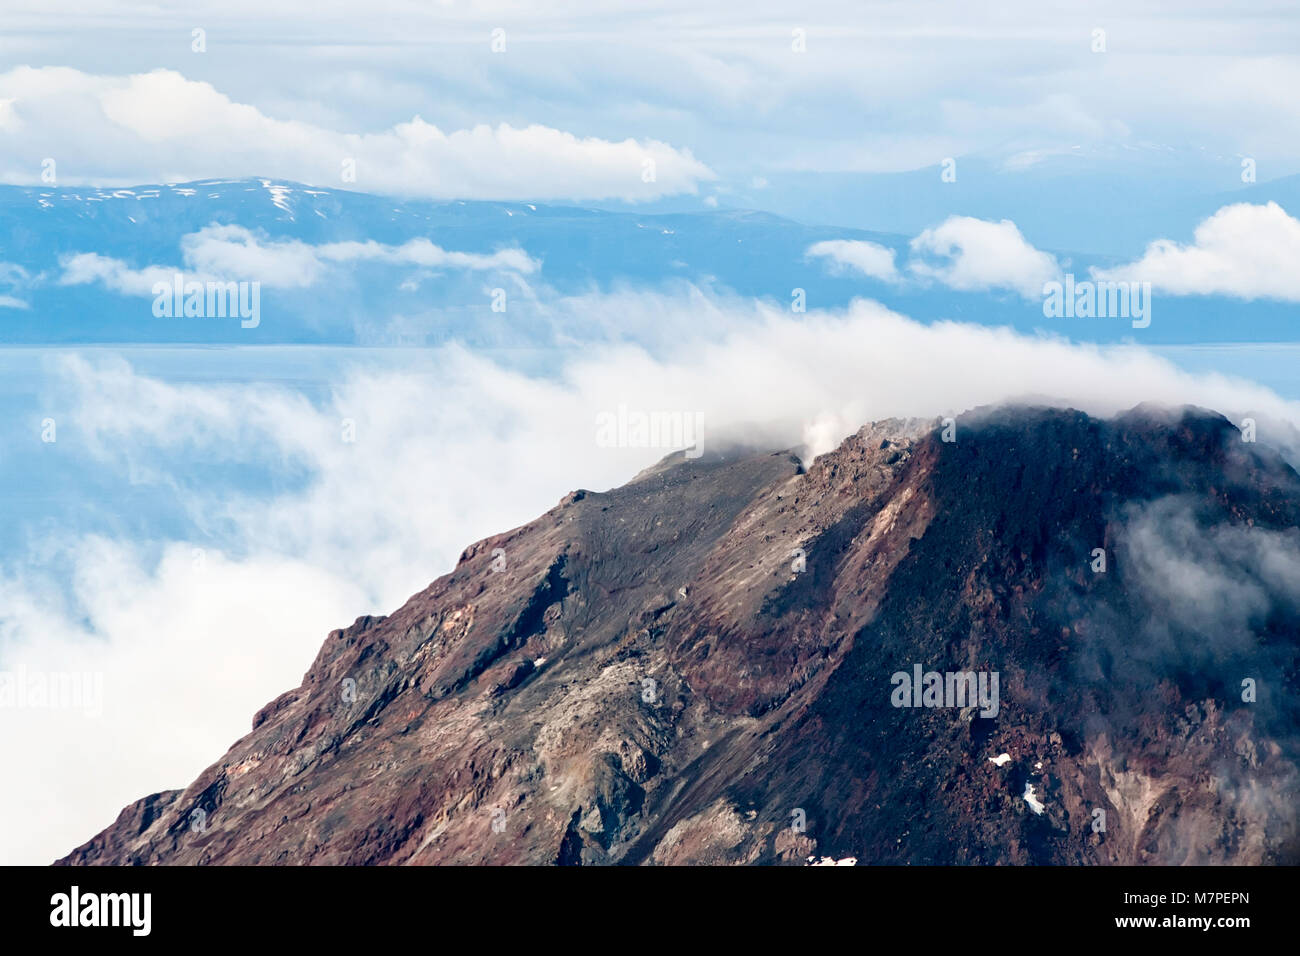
x=1244, y=251
x=975, y=254
x=856, y=255
x=162, y=127
x=220, y=253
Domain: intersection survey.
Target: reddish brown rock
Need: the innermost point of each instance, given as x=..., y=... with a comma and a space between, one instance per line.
x=677, y=670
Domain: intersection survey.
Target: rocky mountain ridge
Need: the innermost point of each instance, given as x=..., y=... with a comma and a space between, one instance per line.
x=697, y=667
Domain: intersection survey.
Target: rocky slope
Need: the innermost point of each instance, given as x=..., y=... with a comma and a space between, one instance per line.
x=697, y=668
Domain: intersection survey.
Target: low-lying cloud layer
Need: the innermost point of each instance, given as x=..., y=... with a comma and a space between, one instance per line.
x=223, y=253
x=1243, y=251
x=963, y=253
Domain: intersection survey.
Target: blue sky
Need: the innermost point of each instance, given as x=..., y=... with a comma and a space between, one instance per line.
x=468, y=245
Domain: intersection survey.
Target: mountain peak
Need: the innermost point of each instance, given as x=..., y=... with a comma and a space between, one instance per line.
x=708, y=665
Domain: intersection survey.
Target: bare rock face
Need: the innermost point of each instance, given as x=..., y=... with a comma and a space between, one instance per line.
x=699, y=667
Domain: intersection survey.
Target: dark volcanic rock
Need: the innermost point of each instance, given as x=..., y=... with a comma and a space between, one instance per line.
x=696, y=668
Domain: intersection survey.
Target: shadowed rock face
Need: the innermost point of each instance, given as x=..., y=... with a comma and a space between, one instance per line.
x=651, y=675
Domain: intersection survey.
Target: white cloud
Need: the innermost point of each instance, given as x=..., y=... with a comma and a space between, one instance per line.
x=222, y=253
x=869, y=258
x=85, y=267
x=450, y=447
x=204, y=638
x=936, y=79
x=1220, y=583
x=422, y=252
x=1244, y=251
x=12, y=278
x=161, y=126
x=981, y=254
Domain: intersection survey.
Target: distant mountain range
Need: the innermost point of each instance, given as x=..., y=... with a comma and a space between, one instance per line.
x=728, y=660
x=49, y=296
